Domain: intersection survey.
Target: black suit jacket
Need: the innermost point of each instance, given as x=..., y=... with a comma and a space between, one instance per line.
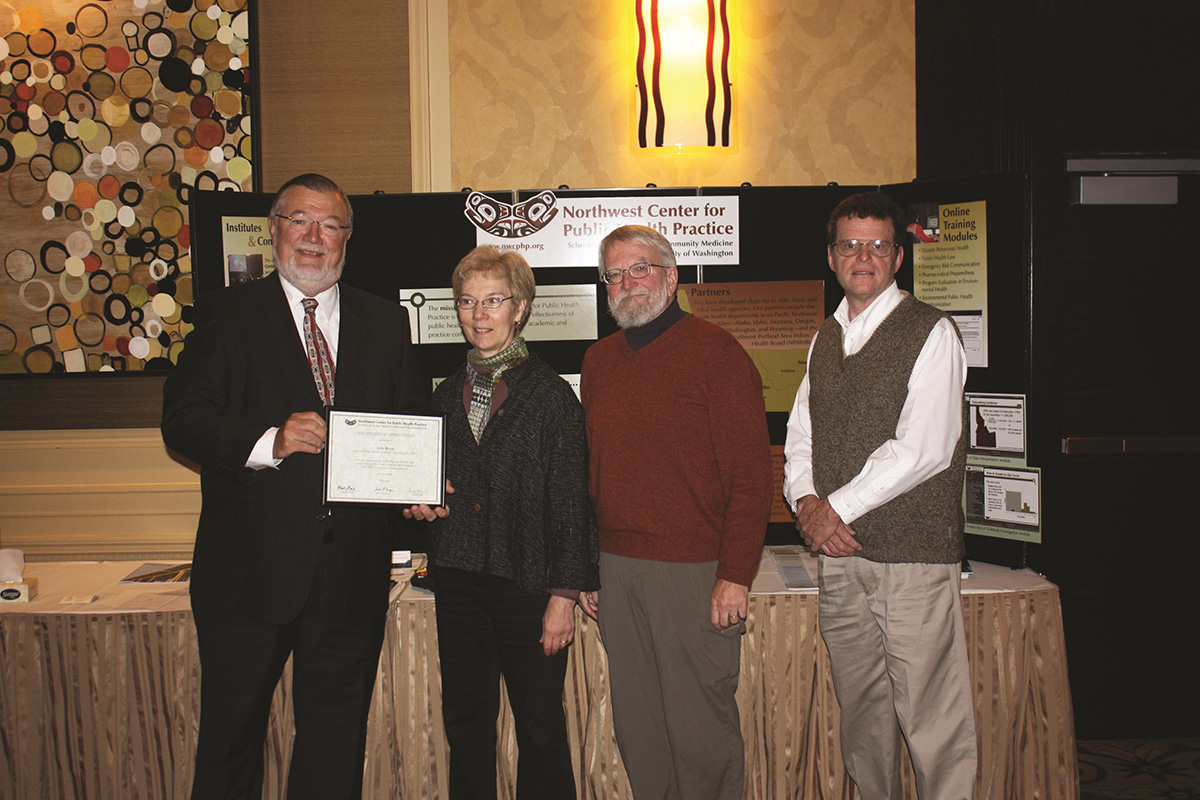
x=243, y=370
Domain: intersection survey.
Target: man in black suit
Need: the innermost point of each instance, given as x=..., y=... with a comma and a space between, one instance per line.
x=275, y=571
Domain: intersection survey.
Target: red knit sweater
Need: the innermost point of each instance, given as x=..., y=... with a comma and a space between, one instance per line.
x=680, y=464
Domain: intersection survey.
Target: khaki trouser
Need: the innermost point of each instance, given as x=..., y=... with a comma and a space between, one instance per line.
x=898, y=649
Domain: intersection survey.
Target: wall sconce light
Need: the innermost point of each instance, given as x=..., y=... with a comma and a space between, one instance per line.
x=685, y=96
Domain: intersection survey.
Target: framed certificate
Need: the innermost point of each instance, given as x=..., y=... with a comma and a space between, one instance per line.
x=375, y=457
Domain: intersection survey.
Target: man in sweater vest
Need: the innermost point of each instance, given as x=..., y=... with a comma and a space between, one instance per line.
x=875, y=453
x=680, y=475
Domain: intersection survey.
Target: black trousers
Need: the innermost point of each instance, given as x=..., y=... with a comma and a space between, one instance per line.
x=334, y=659
x=488, y=627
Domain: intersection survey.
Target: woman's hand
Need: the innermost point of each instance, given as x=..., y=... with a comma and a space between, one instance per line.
x=558, y=624
x=590, y=603
x=427, y=512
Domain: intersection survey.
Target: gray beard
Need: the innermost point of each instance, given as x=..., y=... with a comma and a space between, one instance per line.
x=297, y=275
x=631, y=315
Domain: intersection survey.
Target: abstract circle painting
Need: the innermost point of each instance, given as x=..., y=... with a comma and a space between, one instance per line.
x=110, y=113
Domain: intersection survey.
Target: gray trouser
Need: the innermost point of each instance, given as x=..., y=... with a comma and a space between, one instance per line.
x=673, y=679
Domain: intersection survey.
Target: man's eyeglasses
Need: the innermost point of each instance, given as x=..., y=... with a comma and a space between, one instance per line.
x=302, y=225
x=880, y=248
x=490, y=303
x=639, y=270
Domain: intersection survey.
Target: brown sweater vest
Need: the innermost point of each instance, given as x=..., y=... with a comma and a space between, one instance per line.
x=855, y=404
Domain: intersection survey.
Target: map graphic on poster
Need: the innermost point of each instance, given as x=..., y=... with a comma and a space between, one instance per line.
x=774, y=320
x=950, y=268
x=997, y=428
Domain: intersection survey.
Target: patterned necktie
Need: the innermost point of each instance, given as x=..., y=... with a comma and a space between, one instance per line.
x=318, y=352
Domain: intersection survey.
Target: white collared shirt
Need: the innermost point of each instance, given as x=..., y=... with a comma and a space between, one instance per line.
x=926, y=433
x=329, y=320
x=329, y=313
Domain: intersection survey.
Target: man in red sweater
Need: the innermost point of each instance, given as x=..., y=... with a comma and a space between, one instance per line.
x=680, y=475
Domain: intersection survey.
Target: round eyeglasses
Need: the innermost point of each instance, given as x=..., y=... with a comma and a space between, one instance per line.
x=301, y=225
x=879, y=248
x=490, y=303
x=639, y=270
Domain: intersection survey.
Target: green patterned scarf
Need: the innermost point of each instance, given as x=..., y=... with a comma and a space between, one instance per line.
x=483, y=380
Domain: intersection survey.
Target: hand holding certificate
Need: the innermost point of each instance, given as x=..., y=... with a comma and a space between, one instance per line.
x=384, y=458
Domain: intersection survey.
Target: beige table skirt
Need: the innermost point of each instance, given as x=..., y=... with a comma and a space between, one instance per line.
x=103, y=703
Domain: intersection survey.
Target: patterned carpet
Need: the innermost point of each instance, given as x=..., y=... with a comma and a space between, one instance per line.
x=1136, y=769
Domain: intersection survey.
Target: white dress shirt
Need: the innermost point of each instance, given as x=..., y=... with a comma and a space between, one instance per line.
x=329, y=319
x=926, y=433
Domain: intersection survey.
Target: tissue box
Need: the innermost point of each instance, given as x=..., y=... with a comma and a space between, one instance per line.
x=18, y=591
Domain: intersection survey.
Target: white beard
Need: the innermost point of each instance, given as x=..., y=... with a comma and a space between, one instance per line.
x=307, y=277
x=632, y=313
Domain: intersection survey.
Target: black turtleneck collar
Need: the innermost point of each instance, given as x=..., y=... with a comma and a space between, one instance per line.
x=644, y=335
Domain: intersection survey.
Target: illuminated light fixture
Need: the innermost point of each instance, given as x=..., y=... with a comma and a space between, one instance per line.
x=683, y=73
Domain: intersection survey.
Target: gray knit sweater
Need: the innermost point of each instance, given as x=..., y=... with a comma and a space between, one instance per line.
x=520, y=508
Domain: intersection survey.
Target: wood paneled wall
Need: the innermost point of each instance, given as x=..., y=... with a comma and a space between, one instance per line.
x=334, y=93
x=95, y=494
